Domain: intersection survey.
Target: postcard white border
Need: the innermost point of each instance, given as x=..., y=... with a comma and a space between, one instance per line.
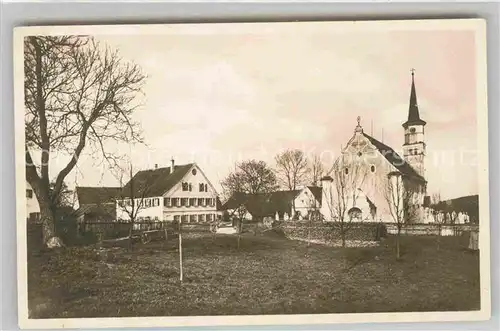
x=476, y=25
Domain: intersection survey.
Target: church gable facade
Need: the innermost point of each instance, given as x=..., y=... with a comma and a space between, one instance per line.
x=362, y=183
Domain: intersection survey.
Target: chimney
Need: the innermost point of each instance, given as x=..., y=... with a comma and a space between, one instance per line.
x=156, y=165
x=173, y=165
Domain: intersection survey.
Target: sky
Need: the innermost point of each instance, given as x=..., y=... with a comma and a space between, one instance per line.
x=216, y=96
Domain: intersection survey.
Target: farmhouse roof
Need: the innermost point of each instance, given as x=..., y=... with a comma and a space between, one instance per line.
x=467, y=203
x=262, y=204
x=107, y=210
x=96, y=195
x=397, y=161
x=317, y=191
x=155, y=182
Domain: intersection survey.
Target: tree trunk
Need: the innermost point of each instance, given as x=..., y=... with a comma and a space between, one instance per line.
x=342, y=236
x=130, y=231
x=46, y=211
x=48, y=228
x=398, y=253
x=240, y=229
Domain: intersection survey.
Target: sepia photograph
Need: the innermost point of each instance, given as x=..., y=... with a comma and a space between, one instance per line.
x=252, y=173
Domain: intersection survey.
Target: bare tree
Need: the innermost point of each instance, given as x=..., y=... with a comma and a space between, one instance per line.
x=313, y=214
x=249, y=178
x=292, y=169
x=400, y=201
x=316, y=170
x=343, y=195
x=134, y=197
x=77, y=94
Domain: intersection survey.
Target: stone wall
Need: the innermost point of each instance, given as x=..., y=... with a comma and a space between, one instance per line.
x=331, y=234
x=432, y=229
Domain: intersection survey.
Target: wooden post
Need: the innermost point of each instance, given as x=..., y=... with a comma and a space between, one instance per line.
x=180, y=253
x=165, y=229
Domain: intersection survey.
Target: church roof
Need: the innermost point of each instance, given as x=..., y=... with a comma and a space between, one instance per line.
x=397, y=161
x=413, y=112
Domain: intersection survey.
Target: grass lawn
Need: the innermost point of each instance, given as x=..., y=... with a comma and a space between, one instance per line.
x=267, y=275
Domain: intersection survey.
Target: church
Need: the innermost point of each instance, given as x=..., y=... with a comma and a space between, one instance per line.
x=371, y=182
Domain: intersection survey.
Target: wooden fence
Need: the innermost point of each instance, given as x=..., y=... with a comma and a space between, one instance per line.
x=112, y=230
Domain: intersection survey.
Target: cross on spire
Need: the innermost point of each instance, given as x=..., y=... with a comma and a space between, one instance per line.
x=412, y=70
x=358, y=127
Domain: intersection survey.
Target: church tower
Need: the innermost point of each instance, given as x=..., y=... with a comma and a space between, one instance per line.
x=414, y=145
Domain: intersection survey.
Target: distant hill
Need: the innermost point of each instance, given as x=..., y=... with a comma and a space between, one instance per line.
x=468, y=204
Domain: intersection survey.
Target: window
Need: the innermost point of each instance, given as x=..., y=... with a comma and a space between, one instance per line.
x=192, y=218
x=209, y=217
x=185, y=186
x=156, y=202
x=147, y=203
x=346, y=171
x=190, y=187
x=184, y=201
x=206, y=188
x=201, y=218
x=29, y=193
x=207, y=201
x=177, y=218
x=372, y=168
x=202, y=187
x=195, y=202
x=192, y=201
x=184, y=218
x=359, y=154
x=167, y=202
x=200, y=201
x=193, y=172
x=175, y=202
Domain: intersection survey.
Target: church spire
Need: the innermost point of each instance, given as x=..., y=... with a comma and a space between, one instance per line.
x=413, y=113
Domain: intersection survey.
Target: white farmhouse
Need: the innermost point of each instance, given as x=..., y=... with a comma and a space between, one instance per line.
x=285, y=205
x=176, y=193
x=32, y=206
